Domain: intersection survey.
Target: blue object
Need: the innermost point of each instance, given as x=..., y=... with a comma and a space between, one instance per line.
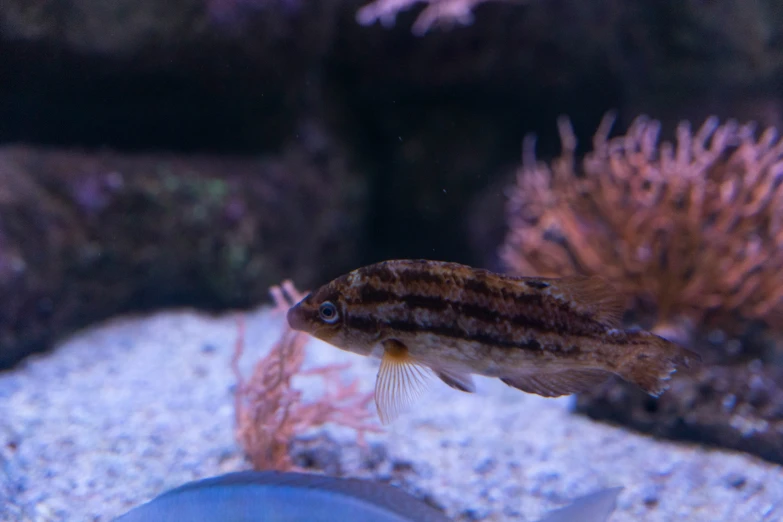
x=272, y=496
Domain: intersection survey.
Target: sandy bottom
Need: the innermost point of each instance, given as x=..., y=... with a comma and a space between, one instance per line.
x=122, y=412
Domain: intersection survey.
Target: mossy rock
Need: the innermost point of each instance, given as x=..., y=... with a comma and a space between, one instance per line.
x=87, y=235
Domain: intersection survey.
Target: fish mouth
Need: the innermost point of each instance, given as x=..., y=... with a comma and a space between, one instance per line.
x=296, y=319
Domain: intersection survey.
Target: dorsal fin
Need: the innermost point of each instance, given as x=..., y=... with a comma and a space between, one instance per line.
x=592, y=296
x=597, y=297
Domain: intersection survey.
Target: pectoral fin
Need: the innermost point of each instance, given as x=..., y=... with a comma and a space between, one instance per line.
x=557, y=384
x=457, y=380
x=401, y=380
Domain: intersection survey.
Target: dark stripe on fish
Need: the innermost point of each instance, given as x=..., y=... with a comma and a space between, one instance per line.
x=371, y=325
x=370, y=295
x=458, y=333
x=421, y=272
x=477, y=286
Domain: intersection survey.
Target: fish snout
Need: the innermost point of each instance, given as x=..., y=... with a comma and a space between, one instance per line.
x=296, y=318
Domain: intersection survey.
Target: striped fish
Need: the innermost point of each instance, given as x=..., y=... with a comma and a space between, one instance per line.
x=547, y=336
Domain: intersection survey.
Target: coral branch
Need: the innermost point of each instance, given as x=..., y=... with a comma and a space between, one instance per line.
x=437, y=13
x=270, y=411
x=691, y=229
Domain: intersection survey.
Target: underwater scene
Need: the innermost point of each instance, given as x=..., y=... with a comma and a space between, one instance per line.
x=391, y=260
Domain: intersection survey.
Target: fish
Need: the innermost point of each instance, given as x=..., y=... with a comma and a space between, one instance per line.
x=276, y=496
x=545, y=336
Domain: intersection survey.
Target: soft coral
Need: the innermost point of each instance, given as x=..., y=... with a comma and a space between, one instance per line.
x=270, y=412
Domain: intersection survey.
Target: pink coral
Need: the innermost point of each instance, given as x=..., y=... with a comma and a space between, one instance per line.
x=691, y=230
x=270, y=411
x=437, y=12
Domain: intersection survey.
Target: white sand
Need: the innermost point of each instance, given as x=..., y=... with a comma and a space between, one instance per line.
x=122, y=412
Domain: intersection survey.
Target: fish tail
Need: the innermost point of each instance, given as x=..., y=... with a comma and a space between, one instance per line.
x=652, y=362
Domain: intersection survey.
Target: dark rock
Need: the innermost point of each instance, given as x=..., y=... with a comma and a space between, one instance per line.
x=320, y=452
x=736, y=480
x=402, y=466
x=485, y=466
x=734, y=407
x=651, y=495
x=444, y=112
x=376, y=455
x=84, y=236
x=208, y=348
x=156, y=75
x=475, y=514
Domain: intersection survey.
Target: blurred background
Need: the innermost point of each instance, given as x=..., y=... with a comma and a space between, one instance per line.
x=194, y=152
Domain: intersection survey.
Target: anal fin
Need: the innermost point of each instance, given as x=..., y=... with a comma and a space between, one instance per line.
x=401, y=380
x=555, y=384
x=457, y=380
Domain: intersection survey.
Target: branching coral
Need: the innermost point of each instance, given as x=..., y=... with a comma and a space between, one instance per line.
x=437, y=12
x=444, y=13
x=270, y=412
x=693, y=230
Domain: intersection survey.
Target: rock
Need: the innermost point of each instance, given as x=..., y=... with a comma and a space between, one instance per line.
x=319, y=452
x=146, y=75
x=86, y=235
x=736, y=480
x=735, y=407
x=443, y=112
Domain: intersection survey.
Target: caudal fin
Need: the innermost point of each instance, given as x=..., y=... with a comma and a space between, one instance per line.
x=653, y=360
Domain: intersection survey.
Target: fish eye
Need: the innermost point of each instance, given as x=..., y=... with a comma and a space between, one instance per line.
x=328, y=312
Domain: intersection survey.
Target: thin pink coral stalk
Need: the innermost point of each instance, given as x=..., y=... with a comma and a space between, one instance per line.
x=270, y=411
